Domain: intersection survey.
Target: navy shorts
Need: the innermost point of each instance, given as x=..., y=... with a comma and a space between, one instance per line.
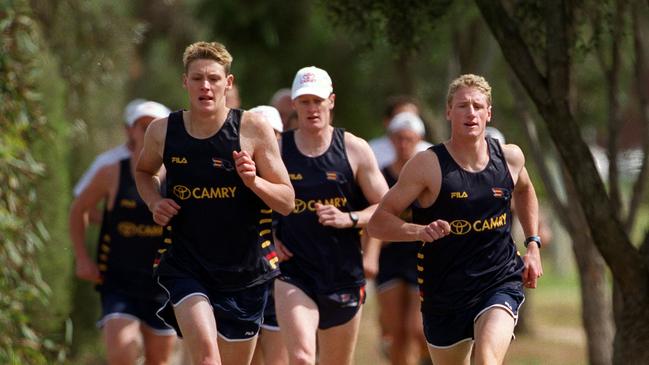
x=238, y=314
x=335, y=308
x=118, y=305
x=397, y=262
x=447, y=330
x=270, y=317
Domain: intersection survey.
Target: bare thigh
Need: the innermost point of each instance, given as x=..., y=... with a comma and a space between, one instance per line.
x=337, y=344
x=493, y=334
x=122, y=340
x=195, y=318
x=270, y=348
x=157, y=348
x=236, y=352
x=298, y=318
x=459, y=354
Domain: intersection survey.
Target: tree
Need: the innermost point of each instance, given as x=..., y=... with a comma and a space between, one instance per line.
x=547, y=80
x=23, y=122
x=539, y=40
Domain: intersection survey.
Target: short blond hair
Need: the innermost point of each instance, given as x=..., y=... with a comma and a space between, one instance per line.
x=210, y=51
x=468, y=80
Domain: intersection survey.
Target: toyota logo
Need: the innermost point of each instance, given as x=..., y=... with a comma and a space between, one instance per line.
x=126, y=229
x=182, y=192
x=300, y=206
x=460, y=227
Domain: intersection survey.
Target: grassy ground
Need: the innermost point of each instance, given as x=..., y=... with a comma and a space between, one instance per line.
x=553, y=316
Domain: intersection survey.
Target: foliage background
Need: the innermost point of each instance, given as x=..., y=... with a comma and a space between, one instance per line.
x=68, y=67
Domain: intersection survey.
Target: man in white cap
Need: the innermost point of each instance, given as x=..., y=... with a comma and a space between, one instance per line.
x=270, y=349
x=337, y=186
x=272, y=116
x=128, y=245
x=396, y=281
x=122, y=151
x=382, y=146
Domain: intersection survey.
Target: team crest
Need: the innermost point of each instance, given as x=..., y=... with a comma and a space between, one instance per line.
x=501, y=193
x=336, y=176
x=220, y=163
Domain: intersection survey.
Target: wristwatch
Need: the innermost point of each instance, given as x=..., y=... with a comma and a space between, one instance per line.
x=535, y=239
x=354, y=217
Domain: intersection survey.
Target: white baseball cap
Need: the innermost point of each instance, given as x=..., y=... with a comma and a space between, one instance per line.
x=271, y=115
x=139, y=108
x=494, y=133
x=312, y=81
x=406, y=121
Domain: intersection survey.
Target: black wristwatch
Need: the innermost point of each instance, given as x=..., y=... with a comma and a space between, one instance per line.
x=535, y=239
x=354, y=217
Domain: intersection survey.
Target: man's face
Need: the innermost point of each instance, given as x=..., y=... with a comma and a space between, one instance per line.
x=469, y=111
x=405, y=143
x=285, y=107
x=313, y=111
x=206, y=82
x=137, y=130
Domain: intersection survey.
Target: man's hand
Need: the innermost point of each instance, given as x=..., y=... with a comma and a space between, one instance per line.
x=533, y=268
x=328, y=215
x=163, y=210
x=434, y=231
x=283, y=253
x=246, y=167
x=86, y=269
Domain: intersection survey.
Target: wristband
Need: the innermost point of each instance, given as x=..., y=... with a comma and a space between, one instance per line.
x=354, y=217
x=536, y=239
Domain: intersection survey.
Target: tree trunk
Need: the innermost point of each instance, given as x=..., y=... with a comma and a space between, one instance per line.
x=595, y=298
x=595, y=292
x=550, y=95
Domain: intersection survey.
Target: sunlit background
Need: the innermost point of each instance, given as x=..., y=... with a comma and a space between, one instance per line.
x=68, y=68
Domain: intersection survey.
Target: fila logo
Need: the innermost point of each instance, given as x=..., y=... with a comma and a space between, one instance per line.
x=459, y=195
x=178, y=160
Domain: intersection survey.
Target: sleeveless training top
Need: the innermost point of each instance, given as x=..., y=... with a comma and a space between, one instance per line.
x=324, y=258
x=222, y=233
x=395, y=254
x=128, y=241
x=479, y=254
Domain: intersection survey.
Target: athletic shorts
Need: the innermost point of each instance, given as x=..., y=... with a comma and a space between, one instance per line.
x=335, y=308
x=118, y=305
x=448, y=330
x=397, y=262
x=270, y=317
x=238, y=314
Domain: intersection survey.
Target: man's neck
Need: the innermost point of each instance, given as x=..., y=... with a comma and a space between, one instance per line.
x=202, y=125
x=313, y=142
x=470, y=153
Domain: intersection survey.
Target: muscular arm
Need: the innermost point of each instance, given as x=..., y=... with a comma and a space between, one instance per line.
x=527, y=210
x=102, y=186
x=146, y=174
x=260, y=165
x=420, y=177
x=368, y=175
x=369, y=179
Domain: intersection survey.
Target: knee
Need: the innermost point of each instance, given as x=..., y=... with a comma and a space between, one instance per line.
x=209, y=361
x=302, y=357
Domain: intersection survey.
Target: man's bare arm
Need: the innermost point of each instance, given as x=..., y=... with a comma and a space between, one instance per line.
x=419, y=175
x=260, y=153
x=147, y=170
x=527, y=210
